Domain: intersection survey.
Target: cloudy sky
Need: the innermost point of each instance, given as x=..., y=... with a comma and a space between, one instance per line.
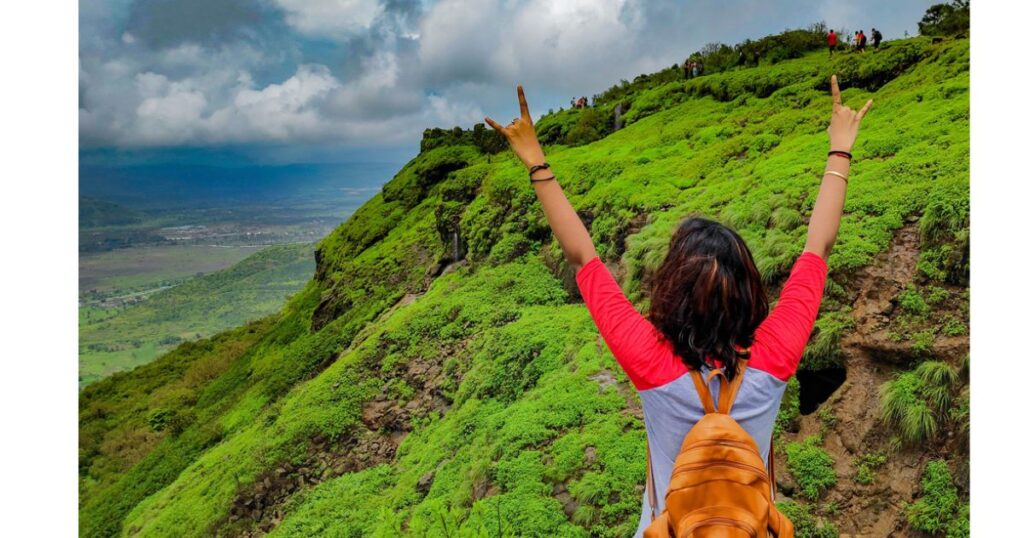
x=323, y=80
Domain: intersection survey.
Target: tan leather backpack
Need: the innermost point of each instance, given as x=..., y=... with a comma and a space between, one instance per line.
x=719, y=487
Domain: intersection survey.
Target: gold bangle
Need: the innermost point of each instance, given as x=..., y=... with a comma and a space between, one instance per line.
x=837, y=174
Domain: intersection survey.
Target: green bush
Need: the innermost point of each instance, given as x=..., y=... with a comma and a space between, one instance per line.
x=805, y=523
x=811, y=466
x=866, y=466
x=939, y=509
x=912, y=301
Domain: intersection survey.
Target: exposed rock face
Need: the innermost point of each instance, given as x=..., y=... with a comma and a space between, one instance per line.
x=330, y=308
x=871, y=359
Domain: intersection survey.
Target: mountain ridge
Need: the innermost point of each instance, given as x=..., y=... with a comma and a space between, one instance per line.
x=439, y=376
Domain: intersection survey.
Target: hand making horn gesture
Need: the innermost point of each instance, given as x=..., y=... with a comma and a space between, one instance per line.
x=842, y=132
x=520, y=134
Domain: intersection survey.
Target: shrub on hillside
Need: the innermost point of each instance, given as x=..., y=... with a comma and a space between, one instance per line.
x=811, y=466
x=939, y=509
x=805, y=523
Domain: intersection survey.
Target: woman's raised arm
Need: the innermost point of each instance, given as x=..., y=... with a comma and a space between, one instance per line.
x=828, y=208
x=569, y=230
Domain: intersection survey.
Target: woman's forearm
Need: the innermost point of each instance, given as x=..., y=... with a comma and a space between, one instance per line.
x=828, y=208
x=569, y=230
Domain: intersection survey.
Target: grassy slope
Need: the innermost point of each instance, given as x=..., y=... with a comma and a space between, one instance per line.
x=111, y=341
x=519, y=357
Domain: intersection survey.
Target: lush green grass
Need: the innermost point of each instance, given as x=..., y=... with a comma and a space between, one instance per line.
x=523, y=426
x=116, y=339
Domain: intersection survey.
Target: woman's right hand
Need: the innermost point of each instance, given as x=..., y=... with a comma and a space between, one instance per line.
x=842, y=132
x=520, y=134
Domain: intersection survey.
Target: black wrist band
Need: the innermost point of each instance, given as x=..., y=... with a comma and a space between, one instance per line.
x=846, y=154
x=541, y=166
x=541, y=179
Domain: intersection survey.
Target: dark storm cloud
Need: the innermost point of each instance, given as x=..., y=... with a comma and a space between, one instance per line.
x=163, y=23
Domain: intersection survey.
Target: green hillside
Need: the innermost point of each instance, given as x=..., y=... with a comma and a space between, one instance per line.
x=112, y=339
x=439, y=376
x=96, y=213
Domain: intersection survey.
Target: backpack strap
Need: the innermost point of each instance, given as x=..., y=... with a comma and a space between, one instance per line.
x=651, y=497
x=727, y=389
x=779, y=525
x=702, y=388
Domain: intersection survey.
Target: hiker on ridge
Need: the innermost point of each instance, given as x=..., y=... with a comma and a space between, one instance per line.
x=876, y=38
x=709, y=331
x=832, y=39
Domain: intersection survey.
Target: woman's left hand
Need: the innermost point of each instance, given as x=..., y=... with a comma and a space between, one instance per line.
x=520, y=134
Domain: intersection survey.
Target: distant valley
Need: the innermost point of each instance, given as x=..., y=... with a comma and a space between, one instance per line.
x=173, y=254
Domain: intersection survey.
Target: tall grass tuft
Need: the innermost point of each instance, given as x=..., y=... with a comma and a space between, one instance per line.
x=918, y=402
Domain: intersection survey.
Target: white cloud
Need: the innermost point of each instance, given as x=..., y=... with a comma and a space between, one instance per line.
x=566, y=44
x=278, y=111
x=379, y=74
x=330, y=18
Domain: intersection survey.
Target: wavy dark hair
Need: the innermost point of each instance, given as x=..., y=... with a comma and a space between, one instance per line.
x=707, y=298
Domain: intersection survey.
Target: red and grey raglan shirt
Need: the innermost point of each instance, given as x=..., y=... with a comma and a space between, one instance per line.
x=670, y=402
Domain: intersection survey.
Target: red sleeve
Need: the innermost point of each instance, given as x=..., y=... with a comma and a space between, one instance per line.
x=632, y=339
x=780, y=339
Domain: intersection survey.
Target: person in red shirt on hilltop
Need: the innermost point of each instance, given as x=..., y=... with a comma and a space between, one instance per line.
x=832, y=38
x=709, y=310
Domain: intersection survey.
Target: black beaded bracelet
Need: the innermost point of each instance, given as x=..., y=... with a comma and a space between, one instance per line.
x=846, y=154
x=541, y=166
x=541, y=179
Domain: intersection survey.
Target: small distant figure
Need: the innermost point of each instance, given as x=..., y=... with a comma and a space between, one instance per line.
x=862, y=41
x=876, y=37
x=832, y=40
x=686, y=70
x=572, y=102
